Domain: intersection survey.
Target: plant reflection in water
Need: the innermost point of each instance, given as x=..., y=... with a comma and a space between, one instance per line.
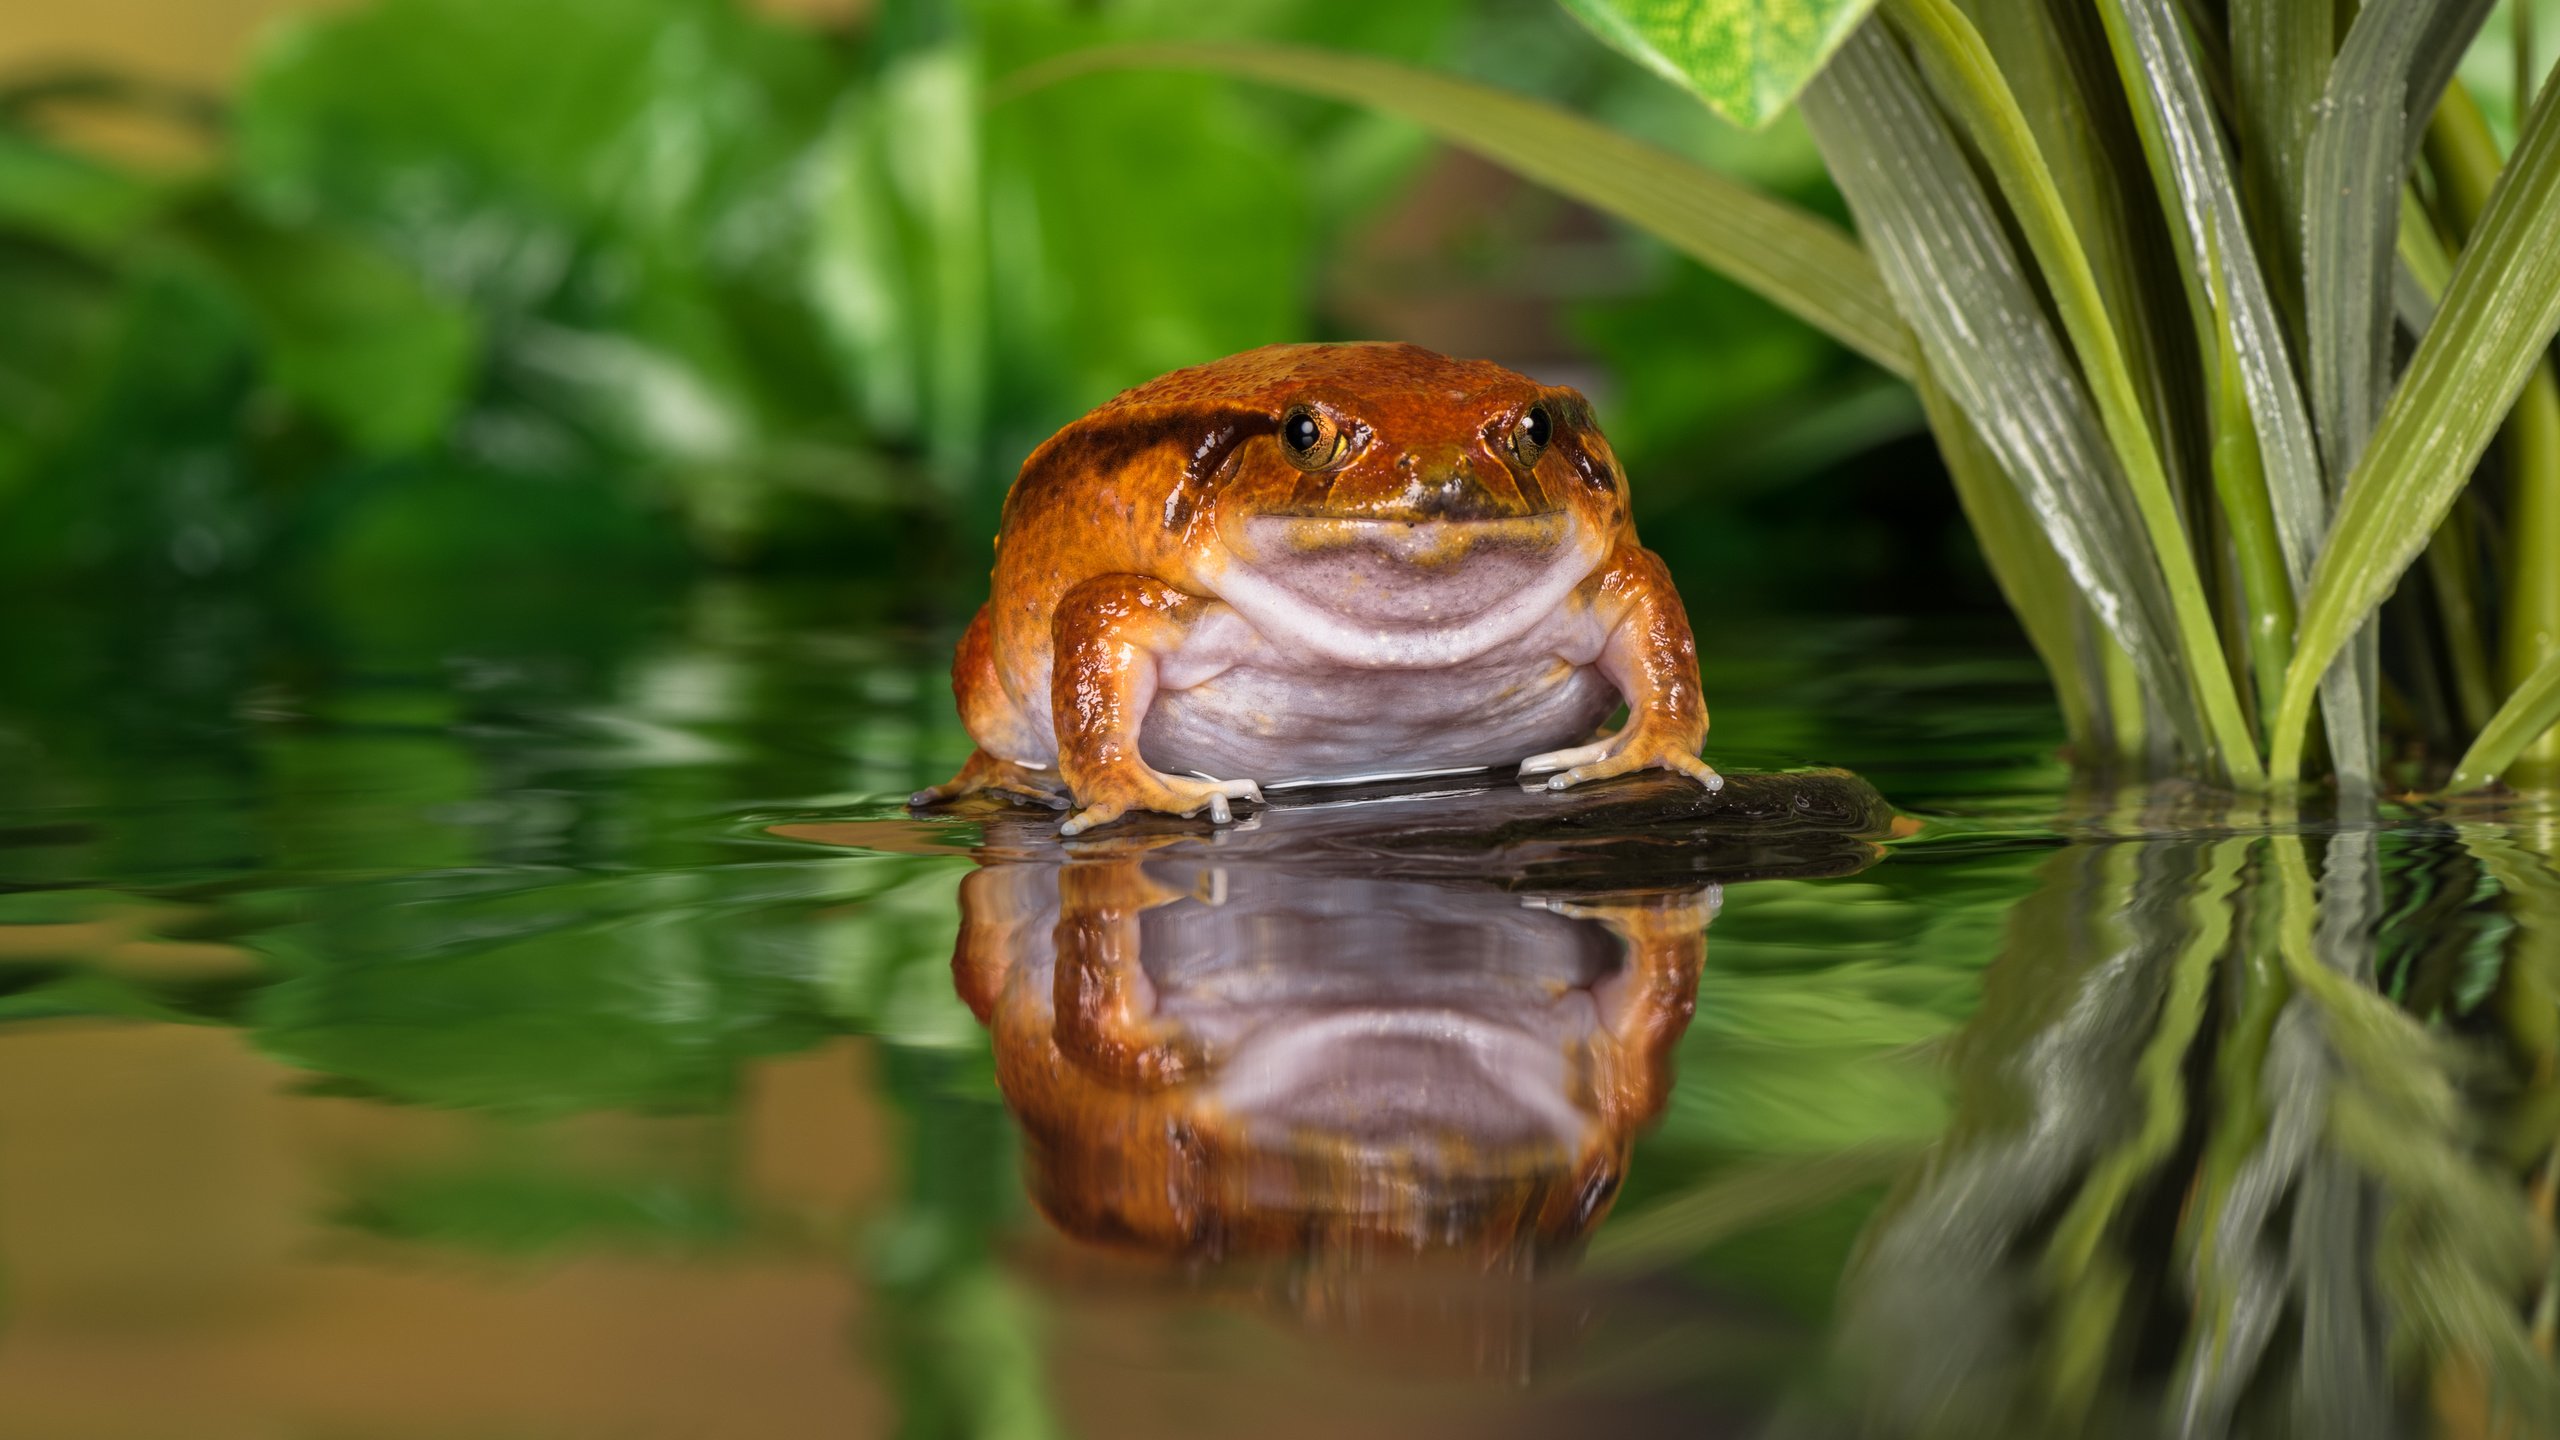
x=2255, y=1136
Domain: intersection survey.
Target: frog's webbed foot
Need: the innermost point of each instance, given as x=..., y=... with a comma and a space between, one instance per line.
x=1119, y=793
x=985, y=773
x=1629, y=750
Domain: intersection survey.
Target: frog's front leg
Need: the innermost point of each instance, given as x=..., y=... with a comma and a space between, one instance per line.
x=1649, y=654
x=1109, y=636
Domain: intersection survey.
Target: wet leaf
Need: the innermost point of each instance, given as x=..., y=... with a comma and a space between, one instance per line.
x=2530, y=711
x=2497, y=318
x=1947, y=259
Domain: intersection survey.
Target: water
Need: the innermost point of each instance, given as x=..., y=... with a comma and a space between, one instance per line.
x=491, y=1012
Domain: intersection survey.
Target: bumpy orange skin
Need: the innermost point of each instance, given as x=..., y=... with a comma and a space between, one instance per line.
x=1111, y=542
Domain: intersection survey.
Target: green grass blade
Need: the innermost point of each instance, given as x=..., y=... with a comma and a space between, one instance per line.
x=2240, y=482
x=2194, y=179
x=2530, y=712
x=2351, y=209
x=1746, y=58
x=2532, y=639
x=1970, y=82
x=1947, y=260
x=2451, y=27
x=2463, y=159
x=2022, y=563
x=2280, y=51
x=1798, y=261
x=2089, y=145
x=2496, y=319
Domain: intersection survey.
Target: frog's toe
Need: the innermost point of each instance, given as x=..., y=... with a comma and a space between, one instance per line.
x=1567, y=759
x=1168, y=795
x=1695, y=768
x=1218, y=792
x=1090, y=816
x=1629, y=758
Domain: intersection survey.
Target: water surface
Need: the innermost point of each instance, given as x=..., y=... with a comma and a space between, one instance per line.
x=489, y=1012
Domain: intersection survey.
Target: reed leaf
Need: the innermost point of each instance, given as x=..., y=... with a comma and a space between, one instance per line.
x=1947, y=260
x=2530, y=711
x=2351, y=208
x=1968, y=79
x=1799, y=261
x=2088, y=144
x=1745, y=58
x=2497, y=317
x=2280, y=52
x=2030, y=575
x=2172, y=109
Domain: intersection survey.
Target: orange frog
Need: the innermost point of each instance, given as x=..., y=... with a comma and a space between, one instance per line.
x=1310, y=564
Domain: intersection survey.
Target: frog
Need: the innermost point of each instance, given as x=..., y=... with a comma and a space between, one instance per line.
x=1319, y=564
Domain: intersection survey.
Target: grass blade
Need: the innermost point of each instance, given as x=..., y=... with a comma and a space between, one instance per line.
x=2497, y=318
x=2280, y=53
x=2194, y=178
x=1947, y=260
x=2351, y=209
x=1798, y=261
x=2530, y=712
x=1970, y=82
x=2030, y=576
x=2464, y=161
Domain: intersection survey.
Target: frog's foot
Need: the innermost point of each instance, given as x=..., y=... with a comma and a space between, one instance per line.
x=1628, y=750
x=984, y=772
x=1120, y=793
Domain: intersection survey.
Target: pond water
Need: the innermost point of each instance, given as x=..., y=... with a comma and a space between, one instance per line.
x=496, y=1012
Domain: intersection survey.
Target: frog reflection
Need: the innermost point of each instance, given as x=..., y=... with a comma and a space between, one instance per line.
x=1225, y=1048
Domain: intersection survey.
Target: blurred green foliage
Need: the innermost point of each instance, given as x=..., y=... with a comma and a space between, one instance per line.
x=559, y=285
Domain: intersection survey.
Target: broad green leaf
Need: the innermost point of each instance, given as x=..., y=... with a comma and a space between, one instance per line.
x=1946, y=257
x=2497, y=318
x=1800, y=262
x=1748, y=59
x=349, y=331
x=1954, y=55
x=2530, y=711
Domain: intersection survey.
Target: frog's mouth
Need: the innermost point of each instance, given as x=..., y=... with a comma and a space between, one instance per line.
x=1411, y=573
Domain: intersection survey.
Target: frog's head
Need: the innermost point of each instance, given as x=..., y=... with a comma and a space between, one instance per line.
x=1391, y=482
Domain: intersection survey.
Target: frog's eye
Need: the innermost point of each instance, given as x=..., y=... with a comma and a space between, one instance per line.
x=1529, y=438
x=1310, y=438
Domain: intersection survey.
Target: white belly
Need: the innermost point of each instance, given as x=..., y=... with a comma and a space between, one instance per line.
x=1274, y=714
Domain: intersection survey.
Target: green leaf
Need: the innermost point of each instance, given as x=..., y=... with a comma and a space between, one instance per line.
x=2529, y=712
x=1967, y=76
x=2175, y=114
x=2030, y=575
x=1946, y=257
x=1799, y=262
x=2351, y=206
x=1748, y=59
x=349, y=331
x=2280, y=53
x=2497, y=318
